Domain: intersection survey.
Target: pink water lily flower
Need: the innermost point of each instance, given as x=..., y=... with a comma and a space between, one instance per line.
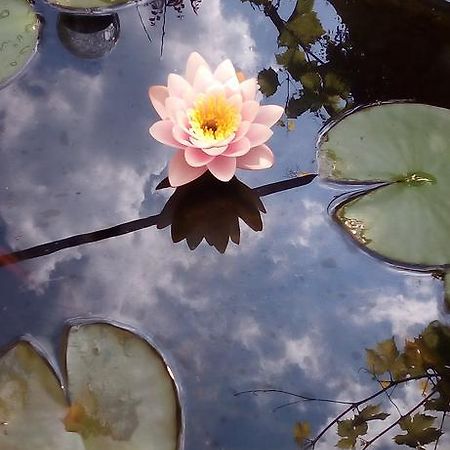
x=214, y=121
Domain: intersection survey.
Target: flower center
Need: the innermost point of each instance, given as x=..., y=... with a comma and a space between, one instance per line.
x=213, y=118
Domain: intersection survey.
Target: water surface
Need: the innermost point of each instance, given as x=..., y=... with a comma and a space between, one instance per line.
x=293, y=306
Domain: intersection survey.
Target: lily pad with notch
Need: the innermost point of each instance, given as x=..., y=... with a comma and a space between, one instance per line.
x=120, y=395
x=402, y=151
x=19, y=35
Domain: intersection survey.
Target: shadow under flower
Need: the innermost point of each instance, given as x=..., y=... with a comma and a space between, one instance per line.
x=205, y=208
x=210, y=209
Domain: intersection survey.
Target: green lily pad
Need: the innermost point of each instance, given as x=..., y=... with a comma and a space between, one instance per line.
x=406, y=147
x=89, y=5
x=19, y=33
x=32, y=403
x=122, y=390
x=121, y=395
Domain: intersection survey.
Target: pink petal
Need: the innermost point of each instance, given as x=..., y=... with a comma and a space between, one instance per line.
x=158, y=95
x=269, y=115
x=177, y=85
x=238, y=148
x=194, y=61
x=182, y=120
x=195, y=157
x=258, y=134
x=236, y=101
x=250, y=110
x=260, y=157
x=216, y=89
x=215, y=151
x=223, y=168
x=180, y=172
x=181, y=136
x=231, y=89
x=203, y=79
x=189, y=97
x=242, y=130
x=225, y=71
x=162, y=132
x=212, y=147
x=225, y=141
x=232, y=85
x=248, y=89
x=173, y=105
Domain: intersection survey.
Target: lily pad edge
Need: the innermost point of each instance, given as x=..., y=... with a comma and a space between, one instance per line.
x=323, y=136
x=95, y=10
x=339, y=203
x=58, y=365
x=22, y=70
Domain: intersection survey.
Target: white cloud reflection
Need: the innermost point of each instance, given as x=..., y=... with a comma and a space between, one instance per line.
x=293, y=306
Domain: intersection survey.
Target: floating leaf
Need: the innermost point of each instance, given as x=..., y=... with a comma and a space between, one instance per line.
x=32, y=403
x=349, y=430
x=386, y=358
x=419, y=431
x=291, y=57
x=304, y=26
x=122, y=384
x=311, y=80
x=372, y=412
x=268, y=81
x=121, y=395
x=302, y=431
x=297, y=106
x=294, y=61
x=442, y=401
x=291, y=124
x=304, y=6
x=414, y=359
x=335, y=85
x=404, y=146
x=19, y=32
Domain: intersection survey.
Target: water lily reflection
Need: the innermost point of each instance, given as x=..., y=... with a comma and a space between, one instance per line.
x=210, y=209
x=227, y=201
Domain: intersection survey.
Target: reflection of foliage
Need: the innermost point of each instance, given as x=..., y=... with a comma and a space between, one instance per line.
x=424, y=361
x=210, y=209
x=405, y=58
x=158, y=8
x=394, y=50
x=316, y=84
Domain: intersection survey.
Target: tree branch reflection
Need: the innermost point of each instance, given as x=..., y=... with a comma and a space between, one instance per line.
x=423, y=361
x=206, y=209
x=328, y=71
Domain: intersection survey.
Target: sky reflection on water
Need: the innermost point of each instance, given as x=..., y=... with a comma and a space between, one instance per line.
x=291, y=307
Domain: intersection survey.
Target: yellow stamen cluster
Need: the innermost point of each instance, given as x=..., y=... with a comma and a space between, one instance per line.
x=213, y=118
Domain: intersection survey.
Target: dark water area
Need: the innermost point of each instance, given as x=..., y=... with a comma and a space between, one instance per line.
x=283, y=300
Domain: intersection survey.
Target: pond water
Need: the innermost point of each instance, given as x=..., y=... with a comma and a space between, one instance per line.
x=293, y=306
